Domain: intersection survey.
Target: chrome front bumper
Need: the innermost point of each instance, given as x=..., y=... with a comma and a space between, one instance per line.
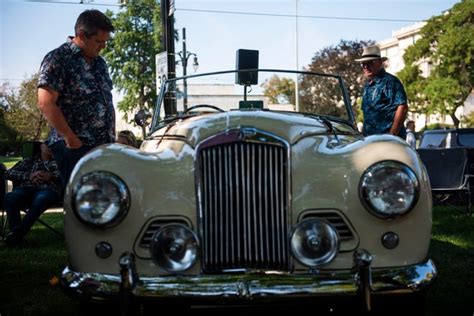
x=361, y=281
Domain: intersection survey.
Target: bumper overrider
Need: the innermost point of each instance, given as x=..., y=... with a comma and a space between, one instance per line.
x=362, y=281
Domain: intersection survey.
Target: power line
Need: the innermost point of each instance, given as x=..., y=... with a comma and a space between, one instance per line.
x=74, y=2
x=298, y=16
x=242, y=12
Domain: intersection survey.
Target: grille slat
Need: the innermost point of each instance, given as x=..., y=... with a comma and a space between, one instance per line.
x=244, y=206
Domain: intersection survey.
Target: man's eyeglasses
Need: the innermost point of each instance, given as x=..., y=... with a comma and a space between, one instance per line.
x=367, y=64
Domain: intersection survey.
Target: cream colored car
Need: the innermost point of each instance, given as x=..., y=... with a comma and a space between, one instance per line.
x=242, y=198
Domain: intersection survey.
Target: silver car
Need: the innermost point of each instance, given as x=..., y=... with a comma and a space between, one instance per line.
x=244, y=197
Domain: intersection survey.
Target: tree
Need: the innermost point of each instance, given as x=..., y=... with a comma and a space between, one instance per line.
x=20, y=117
x=279, y=90
x=131, y=54
x=447, y=43
x=339, y=59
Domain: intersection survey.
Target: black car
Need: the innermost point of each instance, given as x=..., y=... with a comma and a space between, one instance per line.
x=447, y=138
x=448, y=155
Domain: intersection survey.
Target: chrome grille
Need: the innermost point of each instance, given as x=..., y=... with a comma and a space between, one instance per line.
x=244, y=206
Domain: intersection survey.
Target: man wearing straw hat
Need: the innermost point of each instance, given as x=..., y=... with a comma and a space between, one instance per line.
x=384, y=101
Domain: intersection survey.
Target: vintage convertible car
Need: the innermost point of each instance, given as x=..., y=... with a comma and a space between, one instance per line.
x=244, y=198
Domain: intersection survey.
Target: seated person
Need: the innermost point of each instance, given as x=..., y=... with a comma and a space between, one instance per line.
x=127, y=137
x=37, y=187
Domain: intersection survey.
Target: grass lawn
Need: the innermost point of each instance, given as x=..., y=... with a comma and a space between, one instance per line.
x=9, y=161
x=25, y=287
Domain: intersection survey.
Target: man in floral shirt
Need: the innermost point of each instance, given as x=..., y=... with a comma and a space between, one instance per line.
x=384, y=101
x=74, y=92
x=37, y=187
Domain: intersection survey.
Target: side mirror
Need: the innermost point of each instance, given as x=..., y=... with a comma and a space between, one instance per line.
x=142, y=118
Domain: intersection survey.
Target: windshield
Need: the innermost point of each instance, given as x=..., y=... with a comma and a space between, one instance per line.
x=244, y=90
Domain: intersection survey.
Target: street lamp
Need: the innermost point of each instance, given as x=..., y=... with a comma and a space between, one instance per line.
x=184, y=56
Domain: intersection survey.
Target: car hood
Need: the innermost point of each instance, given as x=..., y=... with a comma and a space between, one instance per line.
x=287, y=125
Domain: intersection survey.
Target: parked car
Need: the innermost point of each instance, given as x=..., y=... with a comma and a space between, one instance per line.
x=238, y=200
x=448, y=155
x=447, y=138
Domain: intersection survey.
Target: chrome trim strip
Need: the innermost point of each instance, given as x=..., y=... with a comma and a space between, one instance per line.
x=397, y=280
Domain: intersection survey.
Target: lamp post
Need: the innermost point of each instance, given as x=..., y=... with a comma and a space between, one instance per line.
x=184, y=56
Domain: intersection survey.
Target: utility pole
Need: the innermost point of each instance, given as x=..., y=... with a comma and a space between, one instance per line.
x=297, y=90
x=184, y=56
x=167, y=20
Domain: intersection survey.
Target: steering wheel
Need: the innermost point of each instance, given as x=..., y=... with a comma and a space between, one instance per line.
x=203, y=106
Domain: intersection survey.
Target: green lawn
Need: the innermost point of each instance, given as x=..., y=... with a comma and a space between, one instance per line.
x=9, y=161
x=25, y=274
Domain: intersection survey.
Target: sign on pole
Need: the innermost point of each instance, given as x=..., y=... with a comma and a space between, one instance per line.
x=161, y=61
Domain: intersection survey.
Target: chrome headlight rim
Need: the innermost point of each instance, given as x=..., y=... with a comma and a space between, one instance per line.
x=382, y=165
x=192, y=234
x=332, y=254
x=124, y=200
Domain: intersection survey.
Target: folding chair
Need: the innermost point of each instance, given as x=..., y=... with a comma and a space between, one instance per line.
x=3, y=191
x=450, y=176
x=29, y=149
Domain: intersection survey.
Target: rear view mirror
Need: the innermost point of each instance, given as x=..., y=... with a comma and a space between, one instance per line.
x=142, y=118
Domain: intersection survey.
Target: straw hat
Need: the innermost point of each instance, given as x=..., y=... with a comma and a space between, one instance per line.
x=371, y=53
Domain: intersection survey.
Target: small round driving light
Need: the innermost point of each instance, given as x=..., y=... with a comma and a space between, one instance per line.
x=103, y=249
x=390, y=240
x=174, y=247
x=314, y=242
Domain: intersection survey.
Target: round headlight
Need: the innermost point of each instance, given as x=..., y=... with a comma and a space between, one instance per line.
x=100, y=199
x=174, y=247
x=389, y=189
x=314, y=242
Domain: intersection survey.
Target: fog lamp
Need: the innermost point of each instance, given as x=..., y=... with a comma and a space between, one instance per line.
x=174, y=247
x=314, y=242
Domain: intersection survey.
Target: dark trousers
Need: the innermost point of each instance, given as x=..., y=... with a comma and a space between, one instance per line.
x=66, y=159
x=35, y=200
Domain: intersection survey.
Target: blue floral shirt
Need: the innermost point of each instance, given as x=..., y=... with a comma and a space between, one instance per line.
x=380, y=101
x=85, y=96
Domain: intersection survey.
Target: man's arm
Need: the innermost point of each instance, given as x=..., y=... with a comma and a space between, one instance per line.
x=399, y=118
x=47, y=98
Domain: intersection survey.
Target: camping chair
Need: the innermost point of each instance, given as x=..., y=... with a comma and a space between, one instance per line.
x=29, y=149
x=450, y=176
x=3, y=191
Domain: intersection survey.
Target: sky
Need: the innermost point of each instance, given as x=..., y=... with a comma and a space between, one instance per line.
x=216, y=29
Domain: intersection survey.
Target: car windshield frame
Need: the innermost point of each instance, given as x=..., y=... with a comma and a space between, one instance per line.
x=160, y=100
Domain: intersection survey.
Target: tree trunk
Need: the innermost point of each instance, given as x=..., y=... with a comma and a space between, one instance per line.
x=455, y=120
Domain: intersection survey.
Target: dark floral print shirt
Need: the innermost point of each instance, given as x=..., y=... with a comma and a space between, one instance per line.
x=85, y=96
x=382, y=95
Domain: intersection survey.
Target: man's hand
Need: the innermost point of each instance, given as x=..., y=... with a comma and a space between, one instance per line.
x=40, y=177
x=73, y=142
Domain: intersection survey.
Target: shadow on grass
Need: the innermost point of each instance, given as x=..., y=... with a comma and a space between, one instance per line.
x=452, y=249
x=25, y=274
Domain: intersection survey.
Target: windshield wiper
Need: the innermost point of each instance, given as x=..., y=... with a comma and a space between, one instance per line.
x=329, y=127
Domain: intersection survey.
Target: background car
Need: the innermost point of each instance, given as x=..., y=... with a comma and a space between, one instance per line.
x=238, y=198
x=447, y=138
x=448, y=155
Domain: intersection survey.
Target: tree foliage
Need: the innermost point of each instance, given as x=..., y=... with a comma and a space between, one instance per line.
x=447, y=42
x=131, y=53
x=279, y=90
x=20, y=118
